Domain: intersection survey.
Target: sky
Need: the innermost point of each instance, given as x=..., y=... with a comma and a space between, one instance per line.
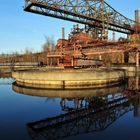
x=20, y=30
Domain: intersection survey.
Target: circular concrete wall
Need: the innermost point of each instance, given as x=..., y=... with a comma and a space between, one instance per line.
x=74, y=78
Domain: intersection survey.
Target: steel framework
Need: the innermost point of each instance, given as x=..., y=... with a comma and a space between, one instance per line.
x=96, y=14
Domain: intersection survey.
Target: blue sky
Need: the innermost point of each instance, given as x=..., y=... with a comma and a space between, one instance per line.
x=20, y=30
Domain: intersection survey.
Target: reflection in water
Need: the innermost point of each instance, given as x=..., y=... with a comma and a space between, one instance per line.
x=97, y=114
x=58, y=93
x=84, y=110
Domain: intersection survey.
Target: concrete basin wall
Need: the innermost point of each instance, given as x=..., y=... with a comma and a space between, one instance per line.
x=69, y=78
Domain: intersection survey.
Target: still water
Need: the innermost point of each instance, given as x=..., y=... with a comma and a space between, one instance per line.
x=111, y=113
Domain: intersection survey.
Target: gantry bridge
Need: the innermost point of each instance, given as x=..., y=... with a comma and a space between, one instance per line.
x=97, y=15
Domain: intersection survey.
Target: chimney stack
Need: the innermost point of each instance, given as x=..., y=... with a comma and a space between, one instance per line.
x=137, y=16
x=63, y=33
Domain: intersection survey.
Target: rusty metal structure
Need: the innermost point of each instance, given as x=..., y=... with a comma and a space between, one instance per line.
x=98, y=17
x=96, y=14
x=81, y=50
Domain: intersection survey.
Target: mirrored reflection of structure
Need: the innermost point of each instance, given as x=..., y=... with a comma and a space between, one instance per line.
x=134, y=85
x=137, y=108
x=60, y=93
x=84, y=111
x=96, y=115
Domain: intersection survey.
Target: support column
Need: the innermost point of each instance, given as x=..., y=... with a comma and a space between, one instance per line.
x=102, y=18
x=137, y=59
x=100, y=57
x=137, y=82
x=72, y=62
x=137, y=73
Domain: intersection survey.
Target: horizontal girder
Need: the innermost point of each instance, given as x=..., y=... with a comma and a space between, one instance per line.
x=95, y=13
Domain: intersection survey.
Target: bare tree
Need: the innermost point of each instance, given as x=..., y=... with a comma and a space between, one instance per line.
x=49, y=45
x=28, y=51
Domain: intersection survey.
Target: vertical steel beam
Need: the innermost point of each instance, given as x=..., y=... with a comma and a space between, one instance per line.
x=102, y=18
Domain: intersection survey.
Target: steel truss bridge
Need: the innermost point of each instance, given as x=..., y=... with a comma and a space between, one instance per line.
x=97, y=15
x=98, y=114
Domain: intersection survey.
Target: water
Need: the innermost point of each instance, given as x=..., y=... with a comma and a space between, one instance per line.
x=109, y=113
